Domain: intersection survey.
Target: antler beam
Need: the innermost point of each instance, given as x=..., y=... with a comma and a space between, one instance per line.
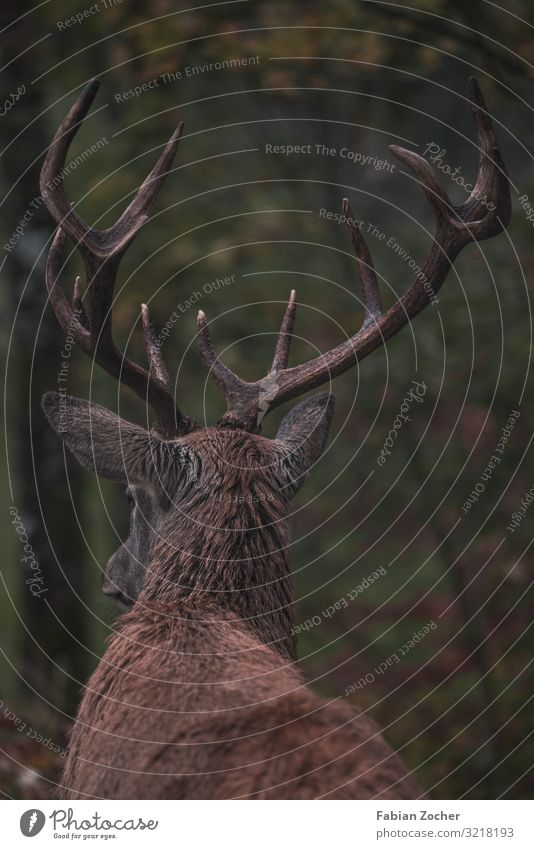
x=484, y=214
x=101, y=251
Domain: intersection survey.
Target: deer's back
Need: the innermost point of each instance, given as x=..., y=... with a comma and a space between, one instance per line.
x=192, y=705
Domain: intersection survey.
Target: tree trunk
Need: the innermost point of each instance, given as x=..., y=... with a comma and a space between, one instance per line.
x=49, y=610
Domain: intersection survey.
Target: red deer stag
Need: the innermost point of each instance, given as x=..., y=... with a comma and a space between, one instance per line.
x=198, y=694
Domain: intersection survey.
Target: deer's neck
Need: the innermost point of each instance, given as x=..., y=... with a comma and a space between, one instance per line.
x=234, y=556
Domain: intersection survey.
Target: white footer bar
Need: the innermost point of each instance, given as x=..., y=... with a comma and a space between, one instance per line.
x=268, y=825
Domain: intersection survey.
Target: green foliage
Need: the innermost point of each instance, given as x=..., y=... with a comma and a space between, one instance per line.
x=342, y=75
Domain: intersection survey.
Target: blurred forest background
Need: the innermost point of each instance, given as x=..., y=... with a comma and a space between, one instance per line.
x=345, y=74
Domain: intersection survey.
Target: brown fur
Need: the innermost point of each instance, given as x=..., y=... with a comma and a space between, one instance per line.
x=187, y=704
x=198, y=694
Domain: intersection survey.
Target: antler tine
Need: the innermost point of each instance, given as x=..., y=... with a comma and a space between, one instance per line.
x=240, y=395
x=153, y=387
x=492, y=179
x=51, y=179
x=150, y=187
x=101, y=251
x=369, y=283
x=484, y=214
x=153, y=350
x=487, y=210
x=101, y=243
x=68, y=319
x=77, y=303
x=285, y=335
x=220, y=373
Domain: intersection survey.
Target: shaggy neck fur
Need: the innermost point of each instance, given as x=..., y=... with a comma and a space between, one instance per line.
x=227, y=544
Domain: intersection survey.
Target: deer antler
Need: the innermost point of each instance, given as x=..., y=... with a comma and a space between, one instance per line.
x=102, y=251
x=484, y=214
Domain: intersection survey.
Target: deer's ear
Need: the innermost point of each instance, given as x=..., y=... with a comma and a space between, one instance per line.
x=302, y=436
x=101, y=441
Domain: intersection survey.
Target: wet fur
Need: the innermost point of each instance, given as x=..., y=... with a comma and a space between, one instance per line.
x=188, y=704
x=198, y=695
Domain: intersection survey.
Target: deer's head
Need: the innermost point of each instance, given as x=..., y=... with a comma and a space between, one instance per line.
x=185, y=490
x=180, y=475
